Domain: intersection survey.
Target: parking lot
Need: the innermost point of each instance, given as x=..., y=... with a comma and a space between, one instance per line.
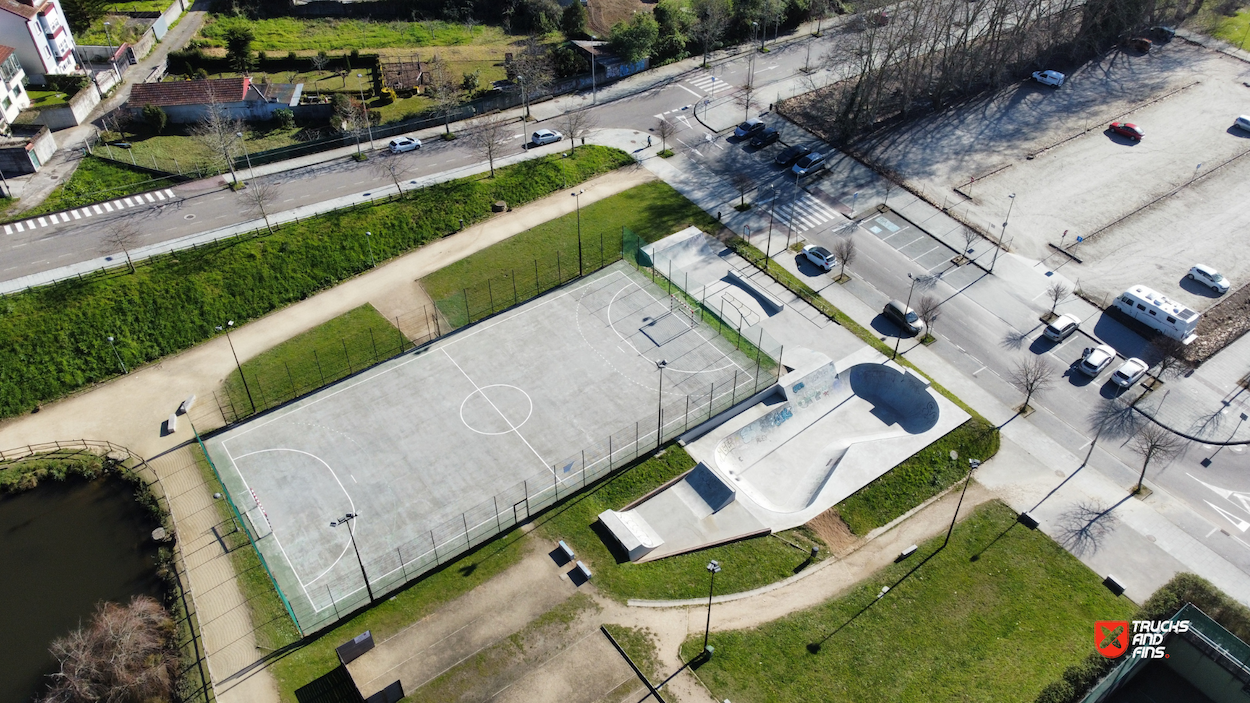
x=1085, y=181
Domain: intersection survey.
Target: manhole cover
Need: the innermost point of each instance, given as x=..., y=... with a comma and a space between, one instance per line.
x=188, y=217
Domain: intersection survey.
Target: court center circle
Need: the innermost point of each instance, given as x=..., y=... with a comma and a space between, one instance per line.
x=496, y=409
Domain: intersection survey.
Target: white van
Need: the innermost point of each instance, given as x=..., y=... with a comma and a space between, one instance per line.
x=1154, y=310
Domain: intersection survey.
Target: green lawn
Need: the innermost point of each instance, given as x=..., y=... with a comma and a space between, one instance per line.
x=94, y=180
x=1235, y=30
x=652, y=210
x=178, y=151
x=121, y=30
x=283, y=34
x=51, y=337
x=332, y=350
x=43, y=99
x=994, y=617
x=922, y=476
x=142, y=6
x=747, y=564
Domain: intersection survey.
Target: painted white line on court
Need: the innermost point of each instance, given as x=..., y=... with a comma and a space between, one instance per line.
x=512, y=427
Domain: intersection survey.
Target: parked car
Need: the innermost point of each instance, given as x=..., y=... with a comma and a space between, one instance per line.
x=1128, y=129
x=792, y=154
x=820, y=256
x=1242, y=122
x=545, y=136
x=765, y=137
x=1053, y=79
x=904, y=317
x=1130, y=372
x=1061, y=328
x=809, y=164
x=1141, y=44
x=1209, y=277
x=1163, y=34
x=749, y=128
x=1095, y=359
x=402, y=144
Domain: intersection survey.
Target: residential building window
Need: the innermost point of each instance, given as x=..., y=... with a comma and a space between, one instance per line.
x=7, y=102
x=10, y=68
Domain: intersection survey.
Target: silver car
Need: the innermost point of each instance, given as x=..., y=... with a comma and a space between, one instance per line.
x=545, y=136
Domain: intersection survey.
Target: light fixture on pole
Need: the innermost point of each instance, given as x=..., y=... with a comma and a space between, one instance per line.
x=347, y=520
x=1001, y=242
x=119, y=356
x=772, y=211
x=228, y=325
x=713, y=568
x=369, y=242
x=659, y=427
x=925, y=282
x=112, y=54
x=577, y=195
x=525, y=98
x=365, y=108
x=972, y=466
x=246, y=155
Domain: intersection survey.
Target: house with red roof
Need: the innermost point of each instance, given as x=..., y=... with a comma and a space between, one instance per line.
x=186, y=102
x=40, y=37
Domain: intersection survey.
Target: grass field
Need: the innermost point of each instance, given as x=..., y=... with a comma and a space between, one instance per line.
x=283, y=34
x=51, y=340
x=994, y=617
x=922, y=476
x=1235, y=30
x=747, y=564
x=330, y=351
x=95, y=180
x=43, y=99
x=179, y=150
x=142, y=6
x=121, y=30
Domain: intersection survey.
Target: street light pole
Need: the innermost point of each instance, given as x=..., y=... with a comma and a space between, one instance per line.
x=360, y=85
x=119, y=356
x=659, y=427
x=347, y=520
x=1001, y=242
x=369, y=241
x=229, y=324
x=772, y=211
x=972, y=466
x=713, y=568
x=924, y=281
x=525, y=98
x=577, y=195
x=112, y=54
x=246, y=155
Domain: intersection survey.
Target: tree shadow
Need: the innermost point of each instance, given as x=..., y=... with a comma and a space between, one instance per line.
x=1083, y=528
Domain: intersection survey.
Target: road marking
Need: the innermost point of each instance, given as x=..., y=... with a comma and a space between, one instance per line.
x=149, y=197
x=8, y=229
x=1213, y=531
x=108, y=207
x=42, y=222
x=128, y=202
x=86, y=212
x=169, y=192
x=697, y=95
x=19, y=227
x=76, y=215
x=160, y=195
x=97, y=209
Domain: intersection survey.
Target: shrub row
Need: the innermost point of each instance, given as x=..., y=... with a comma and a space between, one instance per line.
x=53, y=340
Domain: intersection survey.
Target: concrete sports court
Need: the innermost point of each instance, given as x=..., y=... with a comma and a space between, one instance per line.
x=415, y=442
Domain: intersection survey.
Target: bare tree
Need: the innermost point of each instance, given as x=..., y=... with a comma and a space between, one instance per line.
x=970, y=236
x=742, y=182
x=1032, y=376
x=1173, y=356
x=486, y=136
x=392, y=167
x=844, y=250
x=745, y=97
x=260, y=197
x=664, y=129
x=122, y=234
x=125, y=653
x=444, y=90
x=1153, y=443
x=712, y=18
x=576, y=124
x=219, y=133
x=531, y=67
x=1057, y=292
x=319, y=62
x=929, y=309
x=818, y=9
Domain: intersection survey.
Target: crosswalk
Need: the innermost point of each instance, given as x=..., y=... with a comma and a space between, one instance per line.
x=808, y=212
x=87, y=211
x=709, y=84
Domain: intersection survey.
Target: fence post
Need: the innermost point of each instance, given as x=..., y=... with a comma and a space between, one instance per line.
x=289, y=377
x=514, y=296
x=435, y=546
x=468, y=316
x=346, y=356
x=559, y=276
x=636, y=439
x=583, y=468
x=374, y=341
x=733, y=398
x=336, y=605
x=402, y=569
x=317, y=358
x=401, y=334
x=498, y=527
x=490, y=292
x=537, y=288
x=468, y=543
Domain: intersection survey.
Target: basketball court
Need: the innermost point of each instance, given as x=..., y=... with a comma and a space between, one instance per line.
x=430, y=444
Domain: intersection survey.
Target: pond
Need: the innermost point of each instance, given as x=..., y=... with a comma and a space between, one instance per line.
x=65, y=546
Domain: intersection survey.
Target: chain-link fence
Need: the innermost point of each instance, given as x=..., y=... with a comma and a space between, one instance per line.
x=344, y=590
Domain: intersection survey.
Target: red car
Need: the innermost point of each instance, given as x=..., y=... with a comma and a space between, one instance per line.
x=1128, y=129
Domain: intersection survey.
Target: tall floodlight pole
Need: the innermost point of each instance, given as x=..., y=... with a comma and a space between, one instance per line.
x=659, y=427
x=347, y=520
x=1001, y=242
x=369, y=242
x=925, y=282
x=972, y=466
x=226, y=328
x=577, y=195
x=365, y=108
x=119, y=356
x=713, y=568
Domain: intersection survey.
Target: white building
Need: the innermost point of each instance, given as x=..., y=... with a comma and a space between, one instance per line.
x=13, y=96
x=39, y=35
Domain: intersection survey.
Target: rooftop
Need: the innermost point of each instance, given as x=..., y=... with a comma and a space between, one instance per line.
x=200, y=92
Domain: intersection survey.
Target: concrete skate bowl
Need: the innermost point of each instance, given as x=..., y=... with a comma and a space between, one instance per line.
x=787, y=461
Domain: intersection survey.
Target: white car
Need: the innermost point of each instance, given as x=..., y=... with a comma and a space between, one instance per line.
x=1209, y=277
x=545, y=136
x=1095, y=359
x=1053, y=79
x=1061, y=327
x=1130, y=372
x=1242, y=122
x=402, y=144
x=820, y=256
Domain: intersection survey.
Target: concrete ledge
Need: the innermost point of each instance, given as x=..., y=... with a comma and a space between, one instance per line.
x=764, y=296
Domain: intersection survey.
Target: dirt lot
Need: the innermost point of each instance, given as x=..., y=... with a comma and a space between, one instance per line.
x=1084, y=180
x=602, y=14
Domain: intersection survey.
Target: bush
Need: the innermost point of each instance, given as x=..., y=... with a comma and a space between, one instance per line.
x=201, y=74
x=155, y=117
x=290, y=56
x=285, y=118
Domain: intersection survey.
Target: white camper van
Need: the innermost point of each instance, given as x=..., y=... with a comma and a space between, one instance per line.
x=1154, y=310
